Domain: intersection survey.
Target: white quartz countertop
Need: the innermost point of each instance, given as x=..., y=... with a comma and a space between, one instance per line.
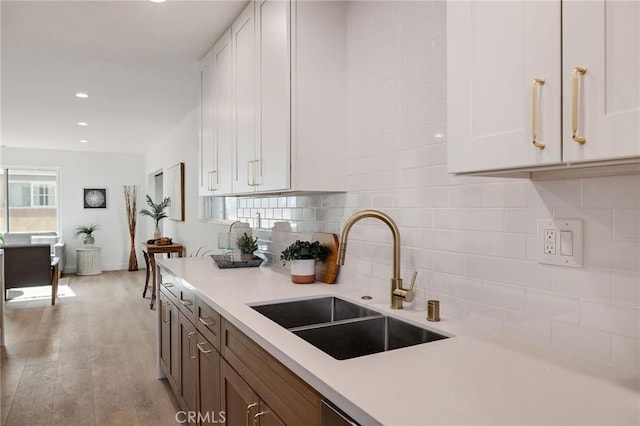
x=476, y=377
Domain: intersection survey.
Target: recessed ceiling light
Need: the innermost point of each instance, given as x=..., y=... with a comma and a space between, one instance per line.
x=81, y=95
x=439, y=135
x=82, y=123
x=83, y=141
x=157, y=1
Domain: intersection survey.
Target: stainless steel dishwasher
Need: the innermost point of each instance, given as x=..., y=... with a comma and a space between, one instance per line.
x=330, y=415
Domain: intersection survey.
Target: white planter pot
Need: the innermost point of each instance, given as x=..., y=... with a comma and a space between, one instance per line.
x=303, y=271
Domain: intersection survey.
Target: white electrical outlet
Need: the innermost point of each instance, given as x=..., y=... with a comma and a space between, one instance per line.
x=560, y=242
x=549, y=241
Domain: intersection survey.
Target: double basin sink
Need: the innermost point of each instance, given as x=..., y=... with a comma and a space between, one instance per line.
x=343, y=329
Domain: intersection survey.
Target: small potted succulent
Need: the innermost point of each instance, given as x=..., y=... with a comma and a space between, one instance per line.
x=303, y=256
x=86, y=232
x=247, y=245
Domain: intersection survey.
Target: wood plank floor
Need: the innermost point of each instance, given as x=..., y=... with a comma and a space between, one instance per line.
x=89, y=360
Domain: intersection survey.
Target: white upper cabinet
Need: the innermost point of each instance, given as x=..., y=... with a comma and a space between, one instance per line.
x=500, y=65
x=244, y=91
x=285, y=107
x=601, y=38
x=537, y=86
x=216, y=119
x=273, y=35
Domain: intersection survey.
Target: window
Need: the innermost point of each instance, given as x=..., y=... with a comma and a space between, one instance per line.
x=29, y=200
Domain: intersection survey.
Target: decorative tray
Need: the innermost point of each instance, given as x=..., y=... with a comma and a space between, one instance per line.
x=224, y=261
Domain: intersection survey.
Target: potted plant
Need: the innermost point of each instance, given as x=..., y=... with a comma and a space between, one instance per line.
x=303, y=256
x=247, y=245
x=157, y=213
x=86, y=231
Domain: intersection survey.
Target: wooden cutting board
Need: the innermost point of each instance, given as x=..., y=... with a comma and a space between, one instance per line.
x=328, y=271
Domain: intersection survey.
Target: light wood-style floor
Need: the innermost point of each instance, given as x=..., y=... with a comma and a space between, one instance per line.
x=89, y=360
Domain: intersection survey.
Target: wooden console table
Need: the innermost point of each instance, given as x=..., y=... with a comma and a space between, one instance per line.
x=149, y=251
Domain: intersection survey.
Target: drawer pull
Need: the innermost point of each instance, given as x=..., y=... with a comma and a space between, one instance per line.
x=165, y=307
x=204, y=321
x=167, y=285
x=186, y=302
x=249, y=409
x=201, y=349
x=256, y=418
x=189, y=336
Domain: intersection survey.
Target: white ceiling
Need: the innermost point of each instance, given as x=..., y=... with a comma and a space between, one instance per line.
x=137, y=61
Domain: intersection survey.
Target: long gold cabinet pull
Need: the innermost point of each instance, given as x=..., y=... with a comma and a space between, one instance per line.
x=165, y=308
x=189, y=336
x=212, y=183
x=205, y=322
x=201, y=348
x=250, y=408
x=252, y=173
x=534, y=112
x=575, y=76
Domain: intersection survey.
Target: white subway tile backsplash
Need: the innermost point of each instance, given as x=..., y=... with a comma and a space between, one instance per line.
x=549, y=305
x=613, y=191
x=616, y=319
x=485, y=219
x=528, y=327
x=487, y=268
x=466, y=196
x=617, y=254
x=626, y=353
x=504, y=296
x=505, y=194
x=626, y=224
x=588, y=283
x=524, y=220
x=555, y=193
x=528, y=274
x=589, y=343
x=485, y=315
x=626, y=288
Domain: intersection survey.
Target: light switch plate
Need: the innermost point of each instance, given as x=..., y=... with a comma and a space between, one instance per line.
x=560, y=242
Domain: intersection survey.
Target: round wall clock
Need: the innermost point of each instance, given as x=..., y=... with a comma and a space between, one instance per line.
x=95, y=198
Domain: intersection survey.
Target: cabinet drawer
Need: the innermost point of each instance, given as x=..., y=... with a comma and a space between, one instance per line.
x=187, y=302
x=294, y=401
x=208, y=323
x=170, y=286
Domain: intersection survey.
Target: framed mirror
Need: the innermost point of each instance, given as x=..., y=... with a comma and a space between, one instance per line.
x=174, y=188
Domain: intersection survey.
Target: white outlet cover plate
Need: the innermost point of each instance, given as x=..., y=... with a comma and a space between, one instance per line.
x=575, y=226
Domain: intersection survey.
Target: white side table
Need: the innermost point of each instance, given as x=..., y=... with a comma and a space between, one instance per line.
x=89, y=261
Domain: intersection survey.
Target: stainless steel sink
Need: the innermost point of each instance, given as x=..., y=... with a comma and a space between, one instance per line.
x=320, y=310
x=343, y=329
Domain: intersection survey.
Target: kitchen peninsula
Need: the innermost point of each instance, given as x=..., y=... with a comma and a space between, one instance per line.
x=475, y=377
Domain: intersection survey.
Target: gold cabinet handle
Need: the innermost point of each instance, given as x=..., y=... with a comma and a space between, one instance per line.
x=202, y=349
x=167, y=285
x=256, y=418
x=205, y=322
x=189, y=336
x=210, y=185
x=186, y=302
x=255, y=173
x=577, y=72
x=165, y=305
x=534, y=112
x=250, y=407
x=250, y=173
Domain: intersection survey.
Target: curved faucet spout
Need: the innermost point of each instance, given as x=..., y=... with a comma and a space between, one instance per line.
x=398, y=294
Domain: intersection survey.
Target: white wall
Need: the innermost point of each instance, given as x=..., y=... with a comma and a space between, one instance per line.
x=79, y=170
x=181, y=145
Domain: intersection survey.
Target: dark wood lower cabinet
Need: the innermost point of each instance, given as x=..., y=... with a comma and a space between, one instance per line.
x=208, y=395
x=169, y=347
x=188, y=365
x=241, y=405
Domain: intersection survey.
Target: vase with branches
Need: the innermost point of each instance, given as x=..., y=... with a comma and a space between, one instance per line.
x=156, y=212
x=131, y=201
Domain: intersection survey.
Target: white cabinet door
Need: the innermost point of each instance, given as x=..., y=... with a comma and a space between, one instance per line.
x=244, y=92
x=496, y=51
x=222, y=176
x=205, y=154
x=273, y=43
x=602, y=37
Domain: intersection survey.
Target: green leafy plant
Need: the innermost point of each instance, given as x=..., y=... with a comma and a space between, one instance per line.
x=157, y=212
x=305, y=250
x=246, y=244
x=86, y=230
x=1, y=240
